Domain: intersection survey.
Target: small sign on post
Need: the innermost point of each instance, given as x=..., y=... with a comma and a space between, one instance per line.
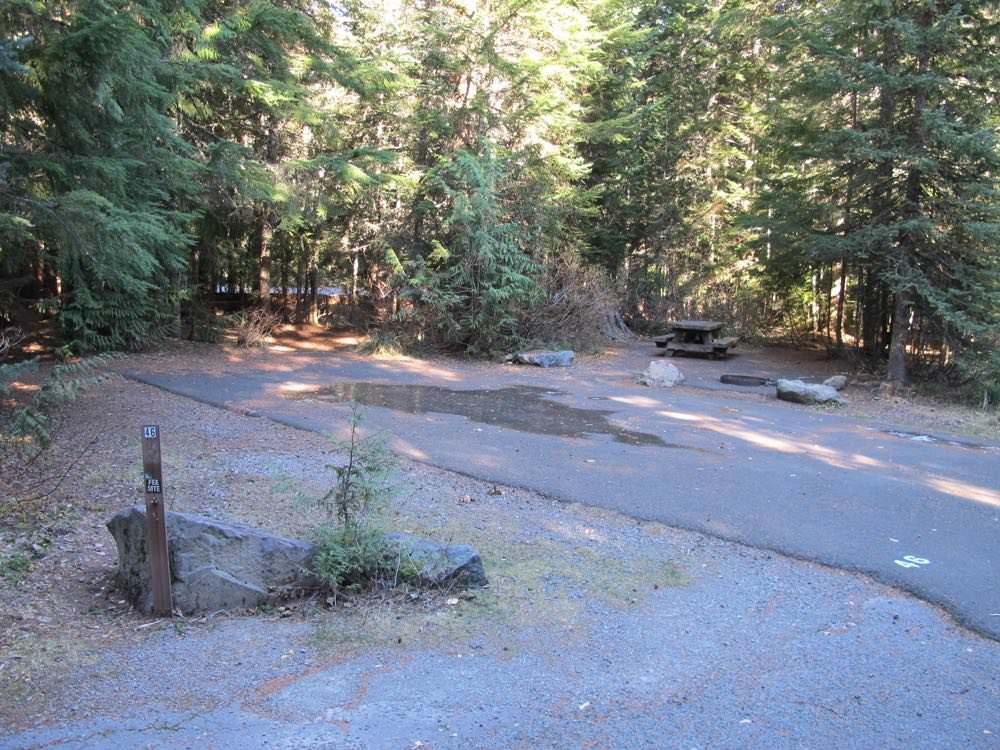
x=156, y=521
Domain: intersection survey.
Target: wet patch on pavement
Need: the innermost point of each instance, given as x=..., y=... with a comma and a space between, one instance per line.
x=522, y=408
x=918, y=437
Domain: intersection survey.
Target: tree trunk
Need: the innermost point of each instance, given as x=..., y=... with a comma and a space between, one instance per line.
x=827, y=297
x=881, y=203
x=896, y=376
x=871, y=316
x=354, y=279
x=908, y=241
x=300, y=289
x=262, y=251
x=859, y=311
x=194, y=288
x=286, y=261
x=313, y=315
x=841, y=295
x=39, y=274
x=814, y=320
x=885, y=324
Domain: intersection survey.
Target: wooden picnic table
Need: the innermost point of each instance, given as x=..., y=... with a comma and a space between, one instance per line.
x=699, y=336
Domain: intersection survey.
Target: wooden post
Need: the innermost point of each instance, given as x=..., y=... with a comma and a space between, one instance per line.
x=156, y=522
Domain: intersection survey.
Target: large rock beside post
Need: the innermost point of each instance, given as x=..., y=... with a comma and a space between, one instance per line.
x=543, y=359
x=836, y=381
x=661, y=374
x=808, y=393
x=223, y=566
x=213, y=565
x=441, y=565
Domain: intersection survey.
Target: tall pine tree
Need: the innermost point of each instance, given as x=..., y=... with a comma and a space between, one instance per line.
x=885, y=128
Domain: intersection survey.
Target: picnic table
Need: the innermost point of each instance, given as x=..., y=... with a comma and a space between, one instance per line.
x=699, y=336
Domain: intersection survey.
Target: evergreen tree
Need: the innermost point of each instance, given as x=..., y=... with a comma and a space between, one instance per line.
x=674, y=121
x=478, y=276
x=94, y=172
x=892, y=163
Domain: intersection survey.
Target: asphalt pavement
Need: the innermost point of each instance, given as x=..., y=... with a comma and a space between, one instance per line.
x=919, y=512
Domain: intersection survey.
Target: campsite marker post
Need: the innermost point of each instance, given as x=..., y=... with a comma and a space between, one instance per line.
x=156, y=521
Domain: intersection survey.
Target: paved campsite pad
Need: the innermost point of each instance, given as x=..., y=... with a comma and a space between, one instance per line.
x=597, y=631
x=742, y=466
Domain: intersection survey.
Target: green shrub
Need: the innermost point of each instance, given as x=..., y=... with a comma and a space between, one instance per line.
x=351, y=551
x=357, y=558
x=13, y=569
x=470, y=288
x=980, y=373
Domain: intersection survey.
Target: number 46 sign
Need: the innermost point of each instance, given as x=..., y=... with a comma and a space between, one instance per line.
x=910, y=561
x=156, y=521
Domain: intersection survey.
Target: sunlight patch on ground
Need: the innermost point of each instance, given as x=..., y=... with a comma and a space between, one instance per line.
x=862, y=460
x=409, y=450
x=418, y=367
x=682, y=416
x=644, y=401
x=836, y=459
x=293, y=386
x=761, y=439
x=325, y=344
x=958, y=488
x=17, y=385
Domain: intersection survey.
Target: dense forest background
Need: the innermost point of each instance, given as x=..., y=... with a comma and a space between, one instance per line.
x=479, y=176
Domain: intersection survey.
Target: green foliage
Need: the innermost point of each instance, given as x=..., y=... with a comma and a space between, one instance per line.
x=94, y=167
x=979, y=371
x=824, y=169
x=673, y=122
x=478, y=276
x=887, y=163
x=14, y=568
x=357, y=558
x=25, y=422
x=351, y=551
x=362, y=486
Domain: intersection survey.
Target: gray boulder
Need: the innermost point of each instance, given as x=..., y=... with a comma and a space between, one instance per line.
x=808, y=393
x=214, y=565
x=836, y=381
x=543, y=359
x=441, y=565
x=661, y=374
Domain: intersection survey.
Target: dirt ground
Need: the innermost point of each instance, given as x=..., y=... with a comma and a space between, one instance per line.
x=60, y=609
